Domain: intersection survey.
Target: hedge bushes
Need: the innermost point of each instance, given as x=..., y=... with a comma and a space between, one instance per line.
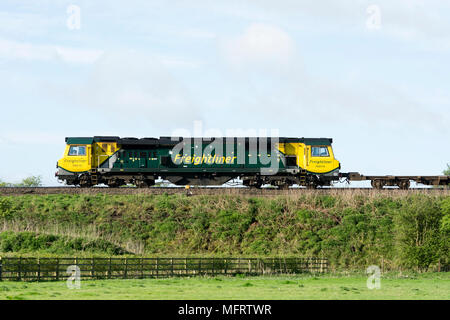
x=411, y=231
x=29, y=242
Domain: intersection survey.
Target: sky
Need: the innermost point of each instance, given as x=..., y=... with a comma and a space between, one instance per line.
x=372, y=75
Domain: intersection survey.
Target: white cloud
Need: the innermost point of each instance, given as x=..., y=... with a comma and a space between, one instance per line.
x=259, y=43
x=136, y=86
x=75, y=55
x=16, y=50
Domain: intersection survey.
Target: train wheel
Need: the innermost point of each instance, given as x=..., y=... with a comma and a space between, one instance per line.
x=144, y=183
x=141, y=184
x=252, y=183
x=258, y=185
x=404, y=184
x=283, y=187
x=313, y=183
x=377, y=184
x=85, y=181
x=115, y=183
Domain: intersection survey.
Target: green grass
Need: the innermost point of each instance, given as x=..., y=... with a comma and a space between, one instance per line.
x=402, y=231
x=422, y=286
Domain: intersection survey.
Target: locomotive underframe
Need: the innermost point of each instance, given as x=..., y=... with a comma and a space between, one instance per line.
x=403, y=182
x=281, y=180
x=141, y=179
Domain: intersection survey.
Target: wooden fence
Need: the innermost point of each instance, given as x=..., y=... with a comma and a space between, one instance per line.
x=42, y=269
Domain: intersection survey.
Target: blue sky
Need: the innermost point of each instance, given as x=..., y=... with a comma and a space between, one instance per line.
x=375, y=81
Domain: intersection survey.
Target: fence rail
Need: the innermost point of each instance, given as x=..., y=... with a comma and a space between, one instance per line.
x=44, y=269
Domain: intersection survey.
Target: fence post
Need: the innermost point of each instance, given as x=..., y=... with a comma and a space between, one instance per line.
x=226, y=265
x=262, y=269
x=0, y=268
x=274, y=268
x=39, y=269
x=92, y=268
x=239, y=265
x=126, y=268
x=249, y=266
x=110, y=267
x=259, y=267
x=20, y=268
x=157, y=267
x=142, y=268
x=171, y=266
x=57, y=269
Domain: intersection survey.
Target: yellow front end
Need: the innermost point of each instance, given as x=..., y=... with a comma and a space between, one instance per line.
x=314, y=159
x=79, y=158
x=76, y=159
x=320, y=159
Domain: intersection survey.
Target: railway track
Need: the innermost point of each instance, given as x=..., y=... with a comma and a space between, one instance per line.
x=5, y=191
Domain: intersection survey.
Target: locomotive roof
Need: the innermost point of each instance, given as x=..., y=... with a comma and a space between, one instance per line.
x=171, y=141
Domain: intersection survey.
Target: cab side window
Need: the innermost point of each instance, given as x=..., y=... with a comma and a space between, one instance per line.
x=319, y=152
x=77, y=151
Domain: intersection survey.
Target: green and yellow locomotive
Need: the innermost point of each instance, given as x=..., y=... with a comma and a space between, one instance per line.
x=118, y=161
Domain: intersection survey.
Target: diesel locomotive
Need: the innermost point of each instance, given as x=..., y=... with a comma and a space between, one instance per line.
x=115, y=161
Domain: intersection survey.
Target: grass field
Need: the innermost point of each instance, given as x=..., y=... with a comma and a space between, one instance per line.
x=422, y=286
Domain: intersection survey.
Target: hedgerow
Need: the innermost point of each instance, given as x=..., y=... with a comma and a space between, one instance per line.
x=408, y=231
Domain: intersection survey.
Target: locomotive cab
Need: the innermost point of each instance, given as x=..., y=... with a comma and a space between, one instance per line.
x=85, y=155
x=320, y=159
x=314, y=155
x=76, y=159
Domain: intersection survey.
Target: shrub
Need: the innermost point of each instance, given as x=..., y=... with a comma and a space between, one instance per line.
x=353, y=230
x=417, y=225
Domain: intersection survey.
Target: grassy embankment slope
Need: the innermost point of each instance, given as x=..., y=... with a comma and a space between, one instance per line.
x=353, y=229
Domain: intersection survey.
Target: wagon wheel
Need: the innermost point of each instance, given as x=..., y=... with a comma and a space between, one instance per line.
x=377, y=184
x=404, y=184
